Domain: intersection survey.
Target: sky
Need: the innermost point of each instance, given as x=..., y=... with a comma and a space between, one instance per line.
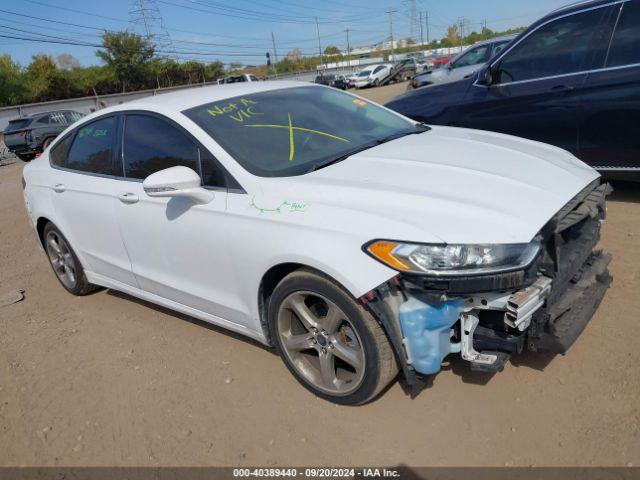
x=241, y=30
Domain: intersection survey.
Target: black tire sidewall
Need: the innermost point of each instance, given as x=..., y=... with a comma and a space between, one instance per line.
x=81, y=280
x=325, y=287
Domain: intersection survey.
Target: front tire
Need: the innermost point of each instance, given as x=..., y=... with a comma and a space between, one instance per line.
x=65, y=263
x=329, y=342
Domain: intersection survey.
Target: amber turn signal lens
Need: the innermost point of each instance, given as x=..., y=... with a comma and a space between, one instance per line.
x=383, y=251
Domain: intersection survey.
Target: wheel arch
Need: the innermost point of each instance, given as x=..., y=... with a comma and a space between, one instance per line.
x=41, y=223
x=270, y=280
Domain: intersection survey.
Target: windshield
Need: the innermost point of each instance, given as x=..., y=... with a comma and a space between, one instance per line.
x=364, y=73
x=473, y=56
x=292, y=131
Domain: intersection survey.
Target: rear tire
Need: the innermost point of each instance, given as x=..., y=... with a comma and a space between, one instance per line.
x=65, y=263
x=330, y=343
x=25, y=158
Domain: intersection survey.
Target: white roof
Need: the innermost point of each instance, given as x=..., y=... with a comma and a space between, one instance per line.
x=192, y=97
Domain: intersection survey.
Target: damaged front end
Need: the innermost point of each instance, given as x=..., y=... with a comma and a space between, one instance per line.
x=488, y=318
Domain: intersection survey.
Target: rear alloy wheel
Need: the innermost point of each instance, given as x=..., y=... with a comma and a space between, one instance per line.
x=65, y=263
x=329, y=342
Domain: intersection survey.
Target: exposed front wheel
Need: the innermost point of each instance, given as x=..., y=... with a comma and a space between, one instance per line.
x=330, y=343
x=65, y=263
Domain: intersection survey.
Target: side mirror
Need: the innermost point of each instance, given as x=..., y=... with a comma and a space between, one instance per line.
x=486, y=76
x=176, y=182
x=450, y=66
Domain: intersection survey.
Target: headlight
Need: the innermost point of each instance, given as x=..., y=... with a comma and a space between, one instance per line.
x=450, y=260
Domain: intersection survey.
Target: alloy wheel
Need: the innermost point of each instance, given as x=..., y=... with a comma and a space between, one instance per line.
x=321, y=343
x=61, y=259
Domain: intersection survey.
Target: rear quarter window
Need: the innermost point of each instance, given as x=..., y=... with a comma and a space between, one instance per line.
x=58, y=155
x=92, y=147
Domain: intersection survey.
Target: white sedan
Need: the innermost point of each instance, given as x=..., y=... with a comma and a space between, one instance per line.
x=373, y=75
x=353, y=240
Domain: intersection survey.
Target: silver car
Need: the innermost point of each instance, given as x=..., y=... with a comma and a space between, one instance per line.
x=464, y=64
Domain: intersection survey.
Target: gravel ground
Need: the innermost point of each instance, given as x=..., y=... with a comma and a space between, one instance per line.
x=109, y=380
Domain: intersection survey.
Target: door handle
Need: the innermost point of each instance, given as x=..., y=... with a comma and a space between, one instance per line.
x=59, y=188
x=562, y=88
x=128, y=198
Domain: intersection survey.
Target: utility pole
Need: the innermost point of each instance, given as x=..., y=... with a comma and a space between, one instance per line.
x=426, y=21
x=319, y=46
x=275, y=54
x=348, y=48
x=421, y=36
x=391, y=12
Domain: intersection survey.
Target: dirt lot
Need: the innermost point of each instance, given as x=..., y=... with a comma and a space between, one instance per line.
x=108, y=380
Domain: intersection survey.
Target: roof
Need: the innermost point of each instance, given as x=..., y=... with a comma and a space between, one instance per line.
x=495, y=39
x=192, y=97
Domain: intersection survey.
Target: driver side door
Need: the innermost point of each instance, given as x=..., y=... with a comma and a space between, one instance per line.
x=536, y=85
x=179, y=250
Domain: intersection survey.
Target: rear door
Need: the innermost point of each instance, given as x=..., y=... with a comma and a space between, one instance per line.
x=536, y=89
x=609, y=137
x=83, y=186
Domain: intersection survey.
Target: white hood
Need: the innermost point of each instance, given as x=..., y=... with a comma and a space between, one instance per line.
x=449, y=184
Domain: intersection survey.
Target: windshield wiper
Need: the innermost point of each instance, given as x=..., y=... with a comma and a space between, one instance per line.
x=420, y=128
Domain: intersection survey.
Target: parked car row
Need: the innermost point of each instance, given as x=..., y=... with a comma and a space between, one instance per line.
x=572, y=80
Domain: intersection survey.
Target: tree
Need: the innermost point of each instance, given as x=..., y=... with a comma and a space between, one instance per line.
x=295, y=55
x=12, y=88
x=66, y=61
x=129, y=56
x=408, y=42
x=452, y=34
x=214, y=70
x=332, y=50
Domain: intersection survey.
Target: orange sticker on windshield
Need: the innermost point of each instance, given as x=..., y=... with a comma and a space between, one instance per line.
x=357, y=101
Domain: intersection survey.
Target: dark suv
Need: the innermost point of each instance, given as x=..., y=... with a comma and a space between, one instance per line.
x=336, y=81
x=28, y=136
x=572, y=79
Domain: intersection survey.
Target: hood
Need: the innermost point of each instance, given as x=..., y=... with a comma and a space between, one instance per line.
x=448, y=185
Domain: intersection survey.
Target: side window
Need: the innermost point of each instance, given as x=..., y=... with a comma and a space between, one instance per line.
x=498, y=47
x=58, y=118
x=72, y=116
x=378, y=69
x=91, y=150
x=625, y=46
x=559, y=47
x=58, y=154
x=212, y=173
x=152, y=144
x=44, y=120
